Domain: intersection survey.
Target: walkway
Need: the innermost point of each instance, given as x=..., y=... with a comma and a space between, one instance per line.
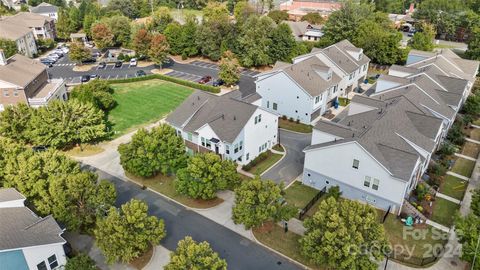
x=448, y=198
x=465, y=157
x=437, y=225
x=472, y=140
x=458, y=176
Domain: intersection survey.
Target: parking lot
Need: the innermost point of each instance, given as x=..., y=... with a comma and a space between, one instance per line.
x=187, y=76
x=245, y=72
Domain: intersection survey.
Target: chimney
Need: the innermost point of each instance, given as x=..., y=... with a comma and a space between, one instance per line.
x=3, y=59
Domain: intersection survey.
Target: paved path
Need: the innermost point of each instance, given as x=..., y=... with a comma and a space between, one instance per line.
x=472, y=140
x=458, y=175
x=465, y=157
x=288, y=169
x=160, y=258
x=475, y=126
x=437, y=225
x=448, y=198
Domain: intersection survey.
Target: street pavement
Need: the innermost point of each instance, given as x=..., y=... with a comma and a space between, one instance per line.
x=240, y=252
x=291, y=166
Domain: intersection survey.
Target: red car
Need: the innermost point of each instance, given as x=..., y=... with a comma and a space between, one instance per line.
x=205, y=79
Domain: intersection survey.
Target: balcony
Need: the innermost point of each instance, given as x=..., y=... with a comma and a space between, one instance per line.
x=52, y=89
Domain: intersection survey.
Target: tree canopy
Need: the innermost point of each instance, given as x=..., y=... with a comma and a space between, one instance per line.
x=229, y=68
x=9, y=47
x=96, y=92
x=192, y=255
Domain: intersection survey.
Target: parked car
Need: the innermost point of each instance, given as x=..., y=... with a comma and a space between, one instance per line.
x=133, y=62
x=47, y=62
x=58, y=52
x=94, y=76
x=218, y=82
x=205, y=79
x=118, y=64
x=140, y=73
x=86, y=78
x=91, y=60
x=39, y=148
x=53, y=56
x=411, y=32
x=102, y=65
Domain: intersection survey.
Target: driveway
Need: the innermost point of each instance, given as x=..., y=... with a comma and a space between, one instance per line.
x=291, y=166
x=240, y=252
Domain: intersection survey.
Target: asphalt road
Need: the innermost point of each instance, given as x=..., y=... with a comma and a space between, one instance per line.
x=291, y=166
x=240, y=253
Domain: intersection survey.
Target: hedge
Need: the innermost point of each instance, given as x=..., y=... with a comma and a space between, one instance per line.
x=263, y=156
x=203, y=87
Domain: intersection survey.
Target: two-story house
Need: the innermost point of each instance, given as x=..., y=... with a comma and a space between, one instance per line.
x=41, y=26
x=229, y=127
x=21, y=35
x=24, y=80
x=305, y=89
x=47, y=10
x=27, y=241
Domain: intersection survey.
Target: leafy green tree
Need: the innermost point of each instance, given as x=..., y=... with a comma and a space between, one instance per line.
x=126, y=233
x=472, y=105
x=473, y=51
x=64, y=26
x=9, y=47
x=443, y=14
x=283, y=43
x=344, y=235
x=278, y=15
x=80, y=262
x=75, y=18
x=79, y=53
x=102, y=35
x=467, y=229
x=88, y=21
x=313, y=18
x=213, y=30
x=192, y=255
x=141, y=42
x=229, y=68
x=125, y=7
x=187, y=38
x=423, y=40
x=151, y=152
x=159, y=48
x=173, y=33
x=120, y=28
x=254, y=42
x=475, y=205
x=14, y=122
x=455, y=134
x=204, y=175
x=391, y=6
x=97, y=92
x=257, y=201
x=242, y=11
x=160, y=19
x=9, y=150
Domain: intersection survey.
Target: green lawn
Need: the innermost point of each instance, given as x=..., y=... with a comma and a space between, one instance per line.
x=265, y=164
x=453, y=187
x=444, y=211
x=400, y=235
x=143, y=102
x=471, y=149
x=475, y=132
x=299, y=194
x=463, y=167
x=294, y=126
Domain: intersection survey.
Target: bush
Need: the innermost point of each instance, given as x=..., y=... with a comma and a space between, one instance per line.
x=290, y=119
x=455, y=134
x=80, y=262
x=437, y=169
x=334, y=192
x=284, y=117
x=203, y=87
x=263, y=156
x=421, y=192
x=447, y=149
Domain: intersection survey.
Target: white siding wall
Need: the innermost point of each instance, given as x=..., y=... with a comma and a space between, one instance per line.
x=15, y=203
x=35, y=255
x=322, y=137
x=397, y=73
x=385, y=84
x=336, y=162
x=356, y=108
x=258, y=134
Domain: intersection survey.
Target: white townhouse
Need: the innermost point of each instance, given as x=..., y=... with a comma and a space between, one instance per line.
x=27, y=241
x=375, y=154
x=305, y=89
x=23, y=37
x=229, y=127
x=47, y=10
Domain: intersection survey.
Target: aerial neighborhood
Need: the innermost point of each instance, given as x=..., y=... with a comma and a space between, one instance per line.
x=293, y=134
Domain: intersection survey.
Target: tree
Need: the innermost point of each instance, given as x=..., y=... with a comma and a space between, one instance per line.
x=125, y=7
x=119, y=27
x=229, y=68
x=313, y=18
x=14, y=122
x=126, y=233
x=282, y=44
x=344, y=235
x=151, y=152
x=9, y=47
x=254, y=42
x=472, y=105
x=160, y=19
x=192, y=255
x=173, y=33
x=204, y=175
x=97, y=92
x=102, y=35
x=423, y=40
x=475, y=205
x=78, y=52
x=443, y=14
x=64, y=25
x=242, y=11
x=473, y=50
x=213, y=31
x=141, y=42
x=257, y=201
x=187, y=38
x=467, y=229
x=278, y=15
x=159, y=48
x=80, y=262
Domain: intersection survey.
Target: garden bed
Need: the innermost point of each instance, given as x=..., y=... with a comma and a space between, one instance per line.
x=294, y=126
x=463, y=167
x=260, y=166
x=143, y=260
x=165, y=185
x=474, y=133
x=444, y=211
x=299, y=194
x=453, y=187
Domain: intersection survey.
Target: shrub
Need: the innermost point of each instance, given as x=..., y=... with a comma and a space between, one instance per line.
x=447, y=149
x=455, y=134
x=334, y=192
x=263, y=156
x=421, y=191
x=297, y=121
x=437, y=169
x=284, y=117
x=290, y=119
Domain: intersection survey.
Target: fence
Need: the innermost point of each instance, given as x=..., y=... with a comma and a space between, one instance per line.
x=311, y=203
x=411, y=260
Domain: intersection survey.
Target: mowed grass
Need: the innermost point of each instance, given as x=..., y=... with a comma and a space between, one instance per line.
x=444, y=211
x=144, y=102
x=463, y=167
x=453, y=187
x=471, y=149
x=299, y=194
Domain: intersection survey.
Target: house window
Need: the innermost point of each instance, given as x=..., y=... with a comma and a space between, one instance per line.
x=203, y=141
x=5, y=93
x=247, y=157
x=317, y=99
x=260, y=149
x=334, y=89
x=367, y=181
x=42, y=266
x=364, y=67
x=375, y=184
x=15, y=93
x=207, y=142
x=227, y=149
x=52, y=260
x=235, y=150
x=268, y=104
x=356, y=162
x=258, y=118
x=241, y=145
x=274, y=106
x=189, y=136
x=179, y=133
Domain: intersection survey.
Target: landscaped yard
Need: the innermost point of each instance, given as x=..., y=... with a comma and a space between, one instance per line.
x=444, y=211
x=471, y=149
x=265, y=164
x=166, y=186
x=85, y=151
x=463, y=167
x=275, y=237
x=475, y=132
x=299, y=194
x=294, y=126
x=143, y=102
x=453, y=187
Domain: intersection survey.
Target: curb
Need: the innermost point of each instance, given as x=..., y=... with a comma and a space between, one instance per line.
x=151, y=258
x=288, y=130
x=279, y=253
x=275, y=164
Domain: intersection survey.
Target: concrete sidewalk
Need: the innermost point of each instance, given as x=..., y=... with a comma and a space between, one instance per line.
x=458, y=175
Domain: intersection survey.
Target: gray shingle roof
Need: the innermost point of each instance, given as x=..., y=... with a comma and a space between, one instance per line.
x=44, y=8
x=224, y=114
x=21, y=70
x=10, y=194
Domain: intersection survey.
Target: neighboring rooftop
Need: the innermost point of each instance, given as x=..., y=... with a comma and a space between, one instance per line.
x=10, y=194
x=44, y=8
x=301, y=28
x=21, y=70
x=12, y=31
x=26, y=19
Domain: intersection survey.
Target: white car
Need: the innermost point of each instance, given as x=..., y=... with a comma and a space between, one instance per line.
x=133, y=62
x=53, y=56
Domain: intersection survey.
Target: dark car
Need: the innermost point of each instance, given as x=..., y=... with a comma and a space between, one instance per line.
x=39, y=148
x=205, y=79
x=218, y=82
x=102, y=65
x=118, y=64
x=94, y=76
x=85, y=78
x=87, y=61
x=47, y=62
x=140, y=73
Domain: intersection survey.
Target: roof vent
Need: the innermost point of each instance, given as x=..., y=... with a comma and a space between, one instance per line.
x=198, y=97
x=353, y=135
x=234, y=118
x=348, y=124
x=223, y=116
